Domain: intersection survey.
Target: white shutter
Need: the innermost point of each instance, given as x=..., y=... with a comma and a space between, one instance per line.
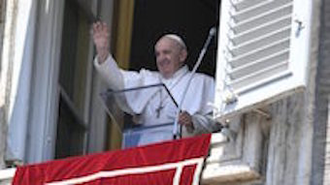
x=262, y=54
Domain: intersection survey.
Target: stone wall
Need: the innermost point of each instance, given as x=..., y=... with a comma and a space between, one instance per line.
x=296, y=151
x=2, y=97
x=2, y=23
x=2, y=138
x=285, y=137
x=321, y=140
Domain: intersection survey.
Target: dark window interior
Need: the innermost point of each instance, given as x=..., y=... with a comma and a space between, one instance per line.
x=191, y=19
x=71, y=129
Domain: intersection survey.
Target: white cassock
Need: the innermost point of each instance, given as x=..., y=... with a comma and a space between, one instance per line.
x=153, y=106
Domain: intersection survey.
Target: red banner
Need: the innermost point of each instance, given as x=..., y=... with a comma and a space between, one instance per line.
x=176, y=162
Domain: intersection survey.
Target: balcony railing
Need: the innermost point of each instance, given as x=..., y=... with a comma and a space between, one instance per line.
x=225, y=162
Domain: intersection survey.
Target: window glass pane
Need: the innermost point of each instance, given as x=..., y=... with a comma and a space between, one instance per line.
x=71, y=129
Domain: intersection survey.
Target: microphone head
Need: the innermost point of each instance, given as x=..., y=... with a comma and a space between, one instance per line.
x=213, y=30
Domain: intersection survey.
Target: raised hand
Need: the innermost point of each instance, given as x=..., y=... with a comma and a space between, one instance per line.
x=101, y=37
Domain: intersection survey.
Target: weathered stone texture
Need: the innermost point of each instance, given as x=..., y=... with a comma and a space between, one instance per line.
x=284, y=141
x=321, y=136
x=2, y=138
x=2, y=122
x=326, y=176
x=2, y=25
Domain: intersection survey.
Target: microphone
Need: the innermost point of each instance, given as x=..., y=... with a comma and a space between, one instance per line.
x=212, y=33
x=213, y=30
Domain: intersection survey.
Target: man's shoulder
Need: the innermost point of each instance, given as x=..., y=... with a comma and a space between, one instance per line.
x=147, y=72
x=203, y=77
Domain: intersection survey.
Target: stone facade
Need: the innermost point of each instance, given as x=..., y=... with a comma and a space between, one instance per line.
x=3, y=128
x=321, y=140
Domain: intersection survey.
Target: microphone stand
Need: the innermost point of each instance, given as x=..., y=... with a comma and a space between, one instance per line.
x=176, y=134
x=105, y=94
x=145, y=87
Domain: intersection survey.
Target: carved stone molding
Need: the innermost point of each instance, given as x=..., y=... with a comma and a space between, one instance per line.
x=236, y=153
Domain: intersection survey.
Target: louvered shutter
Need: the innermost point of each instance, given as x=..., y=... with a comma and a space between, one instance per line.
x=263, y=52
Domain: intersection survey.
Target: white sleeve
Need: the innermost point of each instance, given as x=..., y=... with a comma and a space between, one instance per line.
x=114, y=77
x=118, y=79
x=110, y=72
x=202, y=120
x=204, y=124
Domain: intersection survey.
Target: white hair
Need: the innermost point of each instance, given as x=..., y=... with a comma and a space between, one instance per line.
x=176, y=38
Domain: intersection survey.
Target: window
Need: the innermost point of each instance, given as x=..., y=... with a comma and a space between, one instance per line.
x=73, y=78
x=262, y=54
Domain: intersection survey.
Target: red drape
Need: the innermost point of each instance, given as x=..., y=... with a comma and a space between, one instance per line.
x=174, y=162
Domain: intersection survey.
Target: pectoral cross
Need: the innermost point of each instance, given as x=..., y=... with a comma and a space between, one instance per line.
x=158, y=110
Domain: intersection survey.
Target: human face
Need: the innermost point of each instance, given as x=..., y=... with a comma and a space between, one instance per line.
x=170, y=56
